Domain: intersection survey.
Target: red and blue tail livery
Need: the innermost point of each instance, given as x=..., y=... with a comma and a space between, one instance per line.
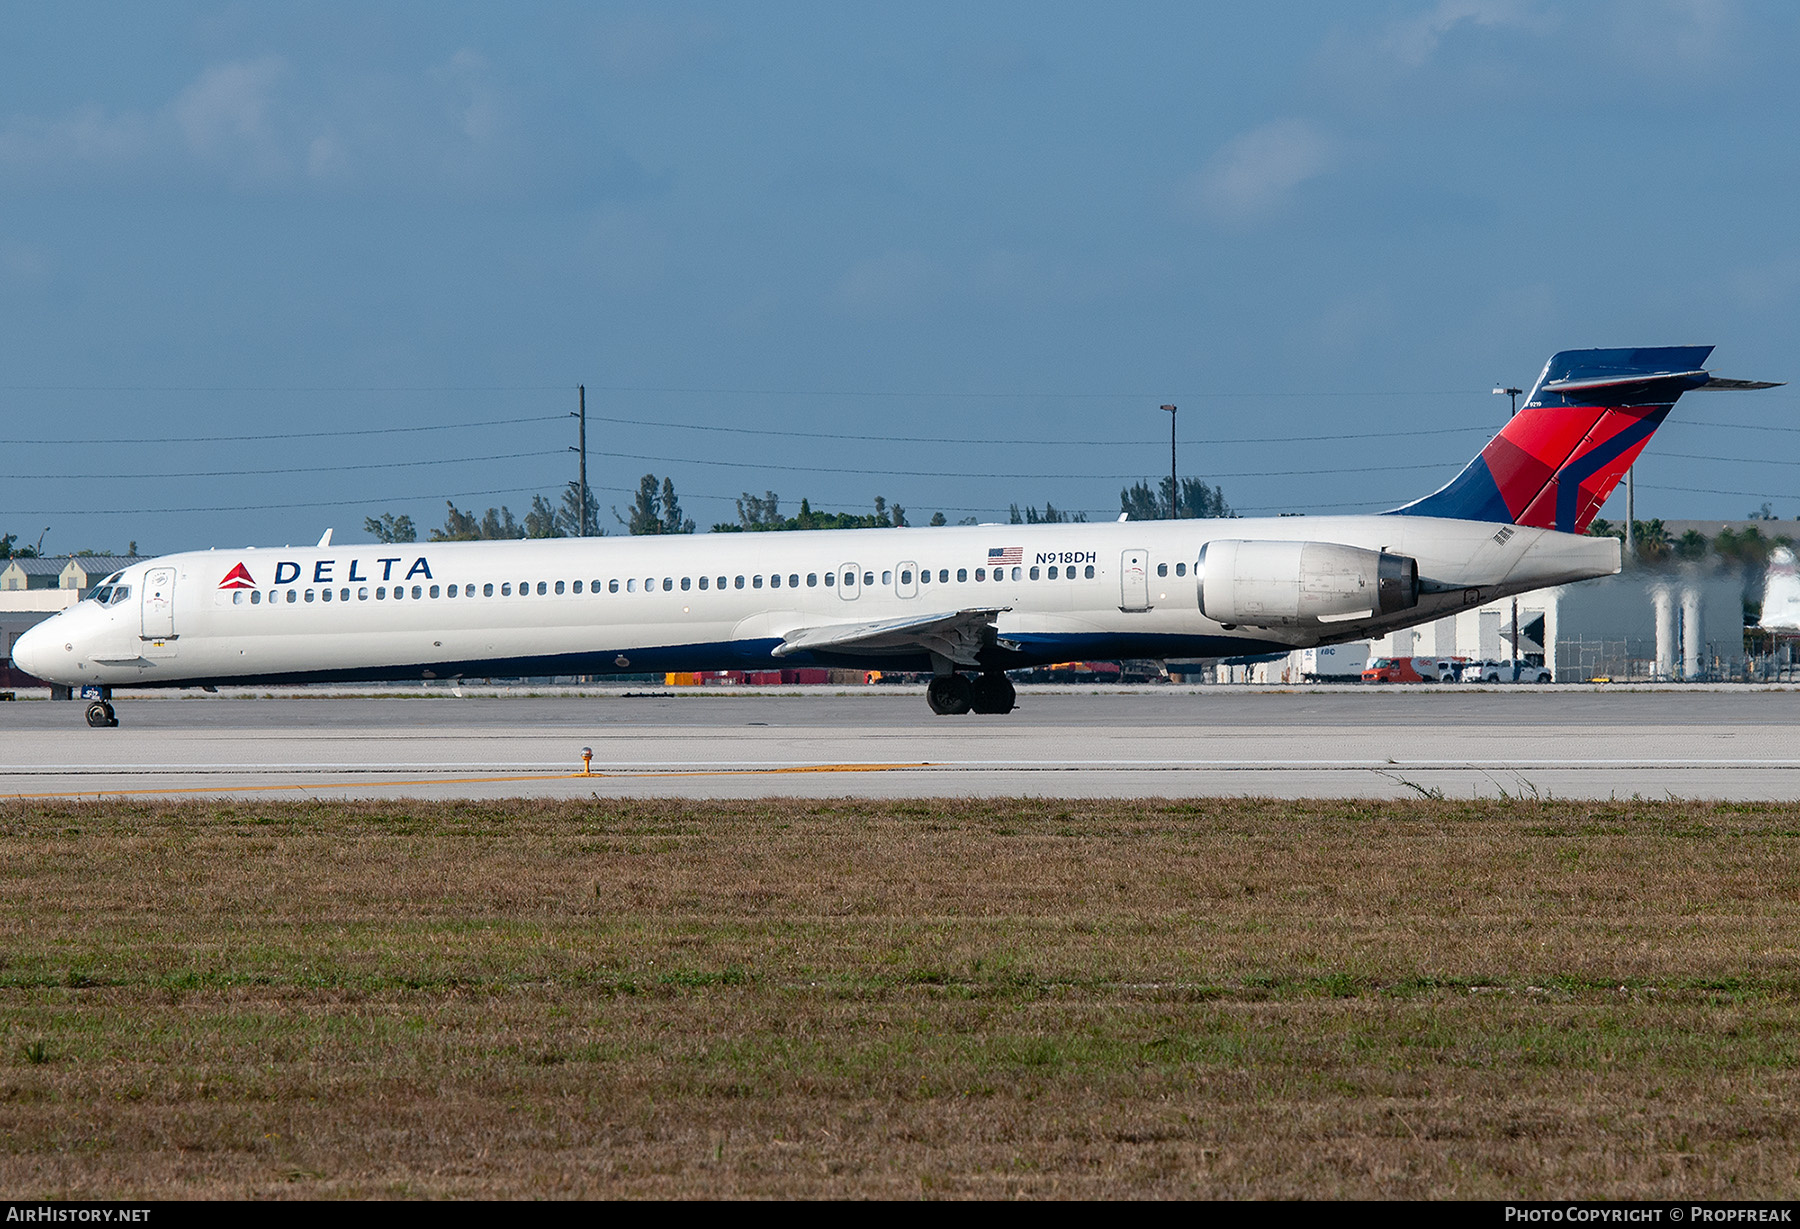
x=1582, y=426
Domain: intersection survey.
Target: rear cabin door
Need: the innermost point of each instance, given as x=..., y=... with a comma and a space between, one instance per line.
x=1134, y=580
x=849, y=581
x=159, y=604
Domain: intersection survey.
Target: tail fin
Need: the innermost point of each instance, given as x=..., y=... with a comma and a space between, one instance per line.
x=1585, y=421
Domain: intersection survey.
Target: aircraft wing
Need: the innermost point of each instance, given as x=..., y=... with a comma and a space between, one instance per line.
x=957, y=635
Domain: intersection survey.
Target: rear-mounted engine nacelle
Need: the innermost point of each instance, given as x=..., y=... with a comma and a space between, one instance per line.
x=1302, y=584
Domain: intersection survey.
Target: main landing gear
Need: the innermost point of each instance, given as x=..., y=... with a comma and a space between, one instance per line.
x=951, y=695
x=100, y=715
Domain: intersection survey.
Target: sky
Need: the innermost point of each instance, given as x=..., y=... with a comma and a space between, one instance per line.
x=269, y=269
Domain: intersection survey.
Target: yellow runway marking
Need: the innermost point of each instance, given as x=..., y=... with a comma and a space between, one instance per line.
x=569, y=776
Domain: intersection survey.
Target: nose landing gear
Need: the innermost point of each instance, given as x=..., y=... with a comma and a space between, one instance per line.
x=100, y=715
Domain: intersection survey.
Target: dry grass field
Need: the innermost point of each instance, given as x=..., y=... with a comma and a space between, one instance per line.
x=951, y=998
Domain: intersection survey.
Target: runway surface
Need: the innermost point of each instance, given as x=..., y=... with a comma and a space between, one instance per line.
x=1735, y=743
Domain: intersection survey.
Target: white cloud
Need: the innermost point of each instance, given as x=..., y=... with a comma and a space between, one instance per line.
x=224, y=118
x=1254, y=173
x=1416, y=39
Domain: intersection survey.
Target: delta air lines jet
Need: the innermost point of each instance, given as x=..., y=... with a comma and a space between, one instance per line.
x=964, y=603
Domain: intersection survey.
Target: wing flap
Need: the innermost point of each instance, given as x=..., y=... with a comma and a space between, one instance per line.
x=956, y=635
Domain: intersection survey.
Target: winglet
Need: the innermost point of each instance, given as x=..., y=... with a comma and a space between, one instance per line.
x=326, y=541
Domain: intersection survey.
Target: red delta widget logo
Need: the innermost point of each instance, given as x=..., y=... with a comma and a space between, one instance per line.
x=238, y=578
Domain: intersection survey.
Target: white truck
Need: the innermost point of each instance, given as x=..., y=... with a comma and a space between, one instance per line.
x=1334, y=663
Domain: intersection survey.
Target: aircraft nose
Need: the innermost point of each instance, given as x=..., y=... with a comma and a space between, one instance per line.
x=34, y=651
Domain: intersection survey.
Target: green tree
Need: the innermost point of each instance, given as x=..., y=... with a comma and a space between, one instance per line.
x=655, y=511
x=937, y=519
x=390, y=528
x=1691, y=545
x=762, y=514
x=570, y=518
x=1140, y=503
x=460, y=526
x=1051, y=515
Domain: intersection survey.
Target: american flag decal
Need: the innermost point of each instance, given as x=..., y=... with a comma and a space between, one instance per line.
x=1006, y=554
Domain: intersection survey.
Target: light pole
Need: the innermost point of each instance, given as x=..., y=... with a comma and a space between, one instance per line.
x=1503, y=391
x=1174, y=487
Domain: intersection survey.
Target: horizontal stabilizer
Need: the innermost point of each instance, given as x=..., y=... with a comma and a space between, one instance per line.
x=1719, y=384
x=957, y=635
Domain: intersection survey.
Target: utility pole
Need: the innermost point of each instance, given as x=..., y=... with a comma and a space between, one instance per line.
x=581, y=447
x=1174, y=487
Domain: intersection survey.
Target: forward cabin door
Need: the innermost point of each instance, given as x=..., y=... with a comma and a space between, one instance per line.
x=1134, y=581
x=159, y=611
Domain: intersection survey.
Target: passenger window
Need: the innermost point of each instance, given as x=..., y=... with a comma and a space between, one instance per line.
x=1162, y=569
x=830, y=579
x=418, y=592
x=381, y=593
x=237, y=597
x=775, y=581
x=868, y=578
x=685, y=583
x=924, y=576
x=962, y=574
x=722, y=582
x=756, y=582
x=1034, y=573
x=668, y=584
x=487, y=591
x=434, y=591
x=887, y=578
x=649, y=584
x=293, y=596
x=906, y=576
x=794, y=580
x=631, y=585
x=1181, y=569
x=559, y=586
x=309, y=595
x=578, y=586
x=325, y=595
x=1090, y=571
x=980, y=573
x=256, y=597
x=944, y=576
x=362, y=595
x=612, y=586
x=812, y=580
x=703, y=582
x=542, y=588
x=738, y=583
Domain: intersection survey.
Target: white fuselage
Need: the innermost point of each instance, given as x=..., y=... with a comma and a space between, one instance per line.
x=725, y=601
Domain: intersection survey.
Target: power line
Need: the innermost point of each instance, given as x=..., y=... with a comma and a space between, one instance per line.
x=939, y=473
x=292, y=435
x=313, y=469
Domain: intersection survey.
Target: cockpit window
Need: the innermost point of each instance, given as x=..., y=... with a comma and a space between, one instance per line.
x=103, y=594
x=119, y=594
x=113, y=579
